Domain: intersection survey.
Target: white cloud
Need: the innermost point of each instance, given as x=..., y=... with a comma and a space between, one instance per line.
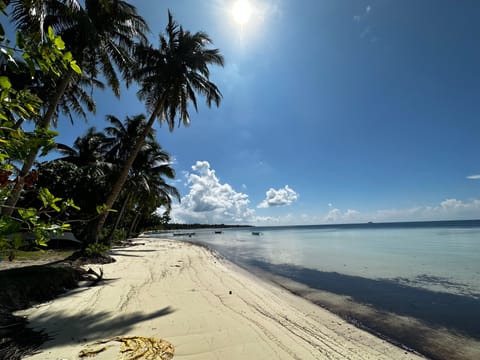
x=280, y=197
x=351, y=214
x=449, y=209
x=210, y=201
x=333, y=216
x=474, y=177
x=368, y=9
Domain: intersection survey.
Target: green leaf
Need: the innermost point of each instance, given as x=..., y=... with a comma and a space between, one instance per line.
x=30, y=108
x=42, y=241
x=50, y=34
x=71, y=204
x=75, y=67
x=68, y=56
x=102, y=208
x=5, y=82
x=48, y=199
x=66, y=227
x=28, y=214
x=59, y=43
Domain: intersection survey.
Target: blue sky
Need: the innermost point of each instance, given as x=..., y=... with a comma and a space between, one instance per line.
x=332, y=111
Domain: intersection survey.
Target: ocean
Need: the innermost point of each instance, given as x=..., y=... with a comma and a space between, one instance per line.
x=416, y=284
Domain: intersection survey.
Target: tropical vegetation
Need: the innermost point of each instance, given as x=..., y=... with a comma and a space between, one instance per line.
x=108, y=184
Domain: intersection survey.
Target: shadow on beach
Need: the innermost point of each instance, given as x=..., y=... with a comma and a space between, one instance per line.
x=439, y=325
x=82, y=328
x=457, y=312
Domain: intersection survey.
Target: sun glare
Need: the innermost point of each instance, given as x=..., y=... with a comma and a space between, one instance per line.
x=242, y=11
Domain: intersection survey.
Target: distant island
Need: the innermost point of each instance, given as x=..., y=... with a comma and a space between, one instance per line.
x=201, y=226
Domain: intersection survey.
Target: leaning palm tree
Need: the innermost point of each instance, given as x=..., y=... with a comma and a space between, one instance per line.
x=146, y=183
x=101, y=35
x=169, y=78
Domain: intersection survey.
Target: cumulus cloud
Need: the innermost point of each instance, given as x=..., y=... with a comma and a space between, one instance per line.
x=280, y=197
x=474, y=177
x=210, y=201
x=333, y=216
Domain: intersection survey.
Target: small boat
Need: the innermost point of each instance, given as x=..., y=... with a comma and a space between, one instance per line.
x=218, y=232
x=256, y=233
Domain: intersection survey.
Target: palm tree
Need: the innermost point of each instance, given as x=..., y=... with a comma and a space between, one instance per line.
x=95, y=173
x=145, y=187
x=169, y=78
x=89, y=155
x=87, y=150
x=124, y=134
x=101, y=36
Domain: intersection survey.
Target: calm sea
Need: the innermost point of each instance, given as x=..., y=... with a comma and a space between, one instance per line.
x=428, y=271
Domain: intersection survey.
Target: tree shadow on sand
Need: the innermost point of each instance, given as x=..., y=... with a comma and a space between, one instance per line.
x=64, y=329
x=457, y=312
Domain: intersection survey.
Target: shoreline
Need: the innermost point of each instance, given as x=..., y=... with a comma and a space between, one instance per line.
x=406, y=332
x=204, y=305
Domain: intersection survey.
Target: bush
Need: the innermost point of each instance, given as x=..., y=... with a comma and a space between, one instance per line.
x=94, y=250
x=119, y=235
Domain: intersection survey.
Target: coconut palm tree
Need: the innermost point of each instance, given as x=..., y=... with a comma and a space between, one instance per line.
x=100, y=34
x=87, y=150
x=123, y=135
x=146, y=187
x=170, y=76
x=83, y=174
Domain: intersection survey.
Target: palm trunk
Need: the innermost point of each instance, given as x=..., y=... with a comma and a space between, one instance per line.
x=133, y=225
x=119, y=217
x=44, y=123
x=117, y=187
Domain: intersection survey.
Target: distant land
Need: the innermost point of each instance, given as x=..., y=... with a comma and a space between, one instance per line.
x=370, y=224
x=201, y=226
x=400, y=224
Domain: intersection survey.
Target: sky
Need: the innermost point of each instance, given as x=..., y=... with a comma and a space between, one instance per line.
x=332, y=112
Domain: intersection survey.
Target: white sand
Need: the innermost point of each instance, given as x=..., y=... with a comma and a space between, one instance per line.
x=180, y=293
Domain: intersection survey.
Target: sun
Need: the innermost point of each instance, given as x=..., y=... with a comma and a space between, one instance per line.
x=242, y=11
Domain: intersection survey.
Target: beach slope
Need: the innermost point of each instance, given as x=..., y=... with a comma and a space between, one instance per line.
x=206, y=307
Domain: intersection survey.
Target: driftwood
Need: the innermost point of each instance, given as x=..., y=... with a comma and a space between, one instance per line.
x=93, y=276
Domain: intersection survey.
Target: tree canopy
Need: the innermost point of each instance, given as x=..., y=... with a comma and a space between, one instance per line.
x=62, y=50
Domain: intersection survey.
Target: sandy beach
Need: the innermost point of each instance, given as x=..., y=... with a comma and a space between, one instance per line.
x=202, y=305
